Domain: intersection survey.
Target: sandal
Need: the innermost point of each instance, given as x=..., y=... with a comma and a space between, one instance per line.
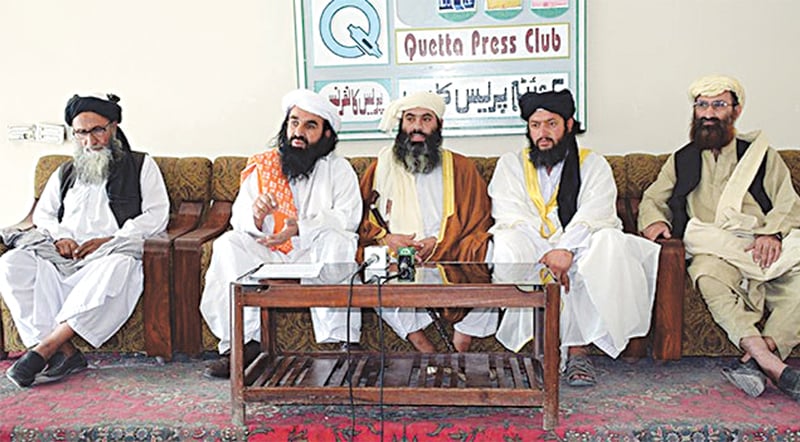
x=580, y=372
x=789, y=382
x=748, y=377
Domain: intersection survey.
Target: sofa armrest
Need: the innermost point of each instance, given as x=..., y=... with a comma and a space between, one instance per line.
x=156, y=296
x=188, y=325
x=668, y=315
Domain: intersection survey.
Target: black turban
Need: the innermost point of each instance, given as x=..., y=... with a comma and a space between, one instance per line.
x=107, y=108
x=560, y=103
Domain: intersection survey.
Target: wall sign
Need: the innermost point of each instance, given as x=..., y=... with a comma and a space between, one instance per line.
x=479, y=55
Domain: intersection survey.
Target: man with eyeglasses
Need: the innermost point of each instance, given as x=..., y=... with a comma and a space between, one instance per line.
x=729, y=196
x=298, y=202
x=555, y=203
x=79, y=272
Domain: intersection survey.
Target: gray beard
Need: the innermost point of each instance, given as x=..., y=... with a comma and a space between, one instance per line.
x=92, y=166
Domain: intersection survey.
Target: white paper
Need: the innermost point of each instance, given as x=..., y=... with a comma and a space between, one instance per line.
x=288, y=271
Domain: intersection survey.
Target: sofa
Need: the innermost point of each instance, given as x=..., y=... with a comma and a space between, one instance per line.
x=149, y=329
x=202, y=195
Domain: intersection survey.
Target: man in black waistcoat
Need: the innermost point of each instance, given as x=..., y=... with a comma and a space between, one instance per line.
x=79, y=271
x=729, y=196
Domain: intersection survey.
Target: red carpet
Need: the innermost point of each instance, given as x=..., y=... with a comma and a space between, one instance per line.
x=135, y=398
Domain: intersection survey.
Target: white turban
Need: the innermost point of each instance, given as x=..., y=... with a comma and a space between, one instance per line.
x=393, y=112
x=712, y=85
x=314, y=103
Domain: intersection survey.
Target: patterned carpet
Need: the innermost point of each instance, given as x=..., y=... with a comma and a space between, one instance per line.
x=137, y=398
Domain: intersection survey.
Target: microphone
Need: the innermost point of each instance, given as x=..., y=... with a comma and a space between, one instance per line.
x=371, y=260
x=405, y=263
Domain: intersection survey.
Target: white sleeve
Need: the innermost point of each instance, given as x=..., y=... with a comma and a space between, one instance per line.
x=45, y=215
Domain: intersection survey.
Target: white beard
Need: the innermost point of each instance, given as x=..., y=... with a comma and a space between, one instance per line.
x=92, y=166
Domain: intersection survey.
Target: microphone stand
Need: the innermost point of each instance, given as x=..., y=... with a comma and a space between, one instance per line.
x=372, y=201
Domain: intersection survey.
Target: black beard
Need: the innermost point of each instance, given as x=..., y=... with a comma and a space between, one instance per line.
x=418, y=157
x=297, y=164
x=552, y=156
x=713, y=137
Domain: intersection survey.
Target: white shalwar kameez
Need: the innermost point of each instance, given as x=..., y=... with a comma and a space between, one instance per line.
x=479, y=322
x=613, y=276
x=328, y=209
x=96, y=300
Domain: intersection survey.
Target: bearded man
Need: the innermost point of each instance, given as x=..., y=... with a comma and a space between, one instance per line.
x=296, y=203
x=729, y=196
x=79, y=272
x=417, y=181
x=555, y=204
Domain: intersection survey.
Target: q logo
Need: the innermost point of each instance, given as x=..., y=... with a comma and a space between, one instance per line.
x=361, y=42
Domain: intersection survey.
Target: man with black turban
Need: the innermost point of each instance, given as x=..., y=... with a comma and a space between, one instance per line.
x=730, y=197
x=79, y=272
x=556, y=204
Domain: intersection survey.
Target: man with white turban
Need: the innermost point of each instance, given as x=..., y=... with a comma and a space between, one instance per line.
x=431, y=199
x=729, y=196
x=555, y=203
x=297, y=203
x=79, y=272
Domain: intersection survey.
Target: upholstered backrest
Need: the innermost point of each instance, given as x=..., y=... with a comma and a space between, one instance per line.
x=187, y=179
x=225, y=179
x=792, y=159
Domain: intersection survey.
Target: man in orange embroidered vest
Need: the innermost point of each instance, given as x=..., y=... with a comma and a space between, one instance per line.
x=296, y=203
x=555, y=204
x=418, y=181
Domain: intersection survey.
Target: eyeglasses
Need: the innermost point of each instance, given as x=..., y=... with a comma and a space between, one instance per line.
x=716, y=105
x=96, y=131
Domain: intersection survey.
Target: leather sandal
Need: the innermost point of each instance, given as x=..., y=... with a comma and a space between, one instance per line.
x=221, y=368
x=580, y=372
x=748, y=377
x=789, y=382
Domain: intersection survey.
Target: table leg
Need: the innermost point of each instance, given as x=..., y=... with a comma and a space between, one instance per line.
x=237, y=356
x=551, y=355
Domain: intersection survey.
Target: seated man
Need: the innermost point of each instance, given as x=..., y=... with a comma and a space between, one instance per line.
x=80, y=270
x=556, y=204
x=730, y=197
x=297, y=203
x=417, y=182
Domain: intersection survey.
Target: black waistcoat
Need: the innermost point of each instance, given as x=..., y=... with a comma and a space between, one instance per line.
x=688, y=166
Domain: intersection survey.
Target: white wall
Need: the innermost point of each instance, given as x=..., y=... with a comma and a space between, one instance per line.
x=204, y=78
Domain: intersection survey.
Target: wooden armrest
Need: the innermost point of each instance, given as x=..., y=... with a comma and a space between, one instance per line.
x=158, y=287
x=188, y=324
x=670, y=288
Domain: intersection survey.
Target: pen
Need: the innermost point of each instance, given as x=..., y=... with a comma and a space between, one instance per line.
x=251, y=271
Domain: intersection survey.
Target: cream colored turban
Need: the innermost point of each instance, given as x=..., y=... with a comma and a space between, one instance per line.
x=712, y=85
x=314, y=103
x=393, y=112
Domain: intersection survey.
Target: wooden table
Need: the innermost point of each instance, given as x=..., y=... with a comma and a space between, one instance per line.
x=454, y=379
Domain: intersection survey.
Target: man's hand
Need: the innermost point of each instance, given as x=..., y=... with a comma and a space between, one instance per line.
x=658, y=228
x=289, y=230
x=395, y=241
x=263, y=205
x=66, y=247
x=89, y=246
x=558, y=261
x=766, y=250
x=425, y=248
